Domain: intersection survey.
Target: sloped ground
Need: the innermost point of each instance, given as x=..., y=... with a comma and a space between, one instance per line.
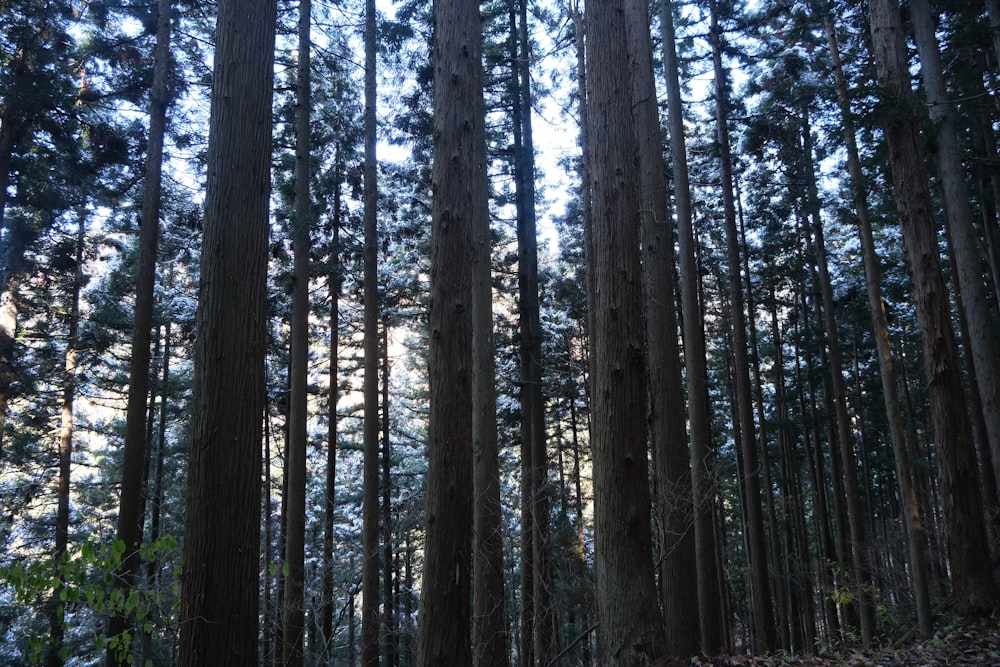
x=972, y=645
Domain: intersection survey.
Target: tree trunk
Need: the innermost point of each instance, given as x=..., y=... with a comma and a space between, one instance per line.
x=630, y=627
x=293, y=620
x=844, y=441
x=974, y=590
x=459, y=204
x=489, y=631
x=220, y=593
x=968, y=269
x=369, y=532
x=532, y=401
x=915, y=534
x=667, y=428
x=388, y=605
x=762, y=618
x=130, y=506
x=54, y=658
x=329, y=537
x=814, y=458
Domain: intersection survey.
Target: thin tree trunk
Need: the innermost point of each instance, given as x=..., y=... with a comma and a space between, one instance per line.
x=293, y=617
x=388, y=606
x=489, y=631
x=55, y=657
x=778, y=564
x=800, y=584
x=370, y=529
x=763, y=620
x=828, y=559
x=974, y=589
x=532, y=402
x=129, y=530
x=329, y=604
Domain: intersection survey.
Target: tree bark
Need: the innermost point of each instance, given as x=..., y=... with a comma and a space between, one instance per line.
x=974, y=589
x=293, y=610
x=766, y=637
x=370, y=515
x=489, y=630
x=667, y=428
x=459, y=201
x=630, y=626
x=130, y=508
x=54, y=657
x=220, y=593
x=968, y=269
x=915, y=534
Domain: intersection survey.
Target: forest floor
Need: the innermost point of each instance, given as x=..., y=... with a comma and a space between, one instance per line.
x=972, y=644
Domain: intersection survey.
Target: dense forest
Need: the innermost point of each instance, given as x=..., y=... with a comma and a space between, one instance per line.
x=496, y=333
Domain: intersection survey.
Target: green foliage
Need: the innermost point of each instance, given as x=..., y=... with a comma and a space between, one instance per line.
x=83, y=581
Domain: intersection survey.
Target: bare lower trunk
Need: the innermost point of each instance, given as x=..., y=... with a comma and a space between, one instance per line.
x=973, y=588
x=459, y=205
x=630, y=630
x=220, y=623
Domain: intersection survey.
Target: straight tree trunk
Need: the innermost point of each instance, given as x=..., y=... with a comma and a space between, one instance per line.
x=762, y=618
x=915, y=535
x=667, y=429
x=800, y=584
x=844, y=441
x=489, y=630
x=369, y=533
x=220, y=594
x=974, y=590
x=130, y=508
x=827, y=551
x=293, y=611
x=388, y=604
x=532, y=401
x=630, y=627
x=459, y=202
x=969, y=275
x=55, y=658
x=330, y=506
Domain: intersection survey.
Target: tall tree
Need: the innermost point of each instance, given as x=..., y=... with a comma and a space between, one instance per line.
x=630, y=627
x=131, y=502
x=489, y=634
x=329, y=537
x=844, y=443
x=982, y=335
x=293, y=606
x=699, y=414
x=763, y=619
x=974, y=589
x=370, y=515
x=915, y=534
x=489, y=624
x=459, y=189
x=55, y=650
x=219, y=597
x=667, y=431
x=537, y=617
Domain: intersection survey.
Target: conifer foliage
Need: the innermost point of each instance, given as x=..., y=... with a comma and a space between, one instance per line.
x=654, y=331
